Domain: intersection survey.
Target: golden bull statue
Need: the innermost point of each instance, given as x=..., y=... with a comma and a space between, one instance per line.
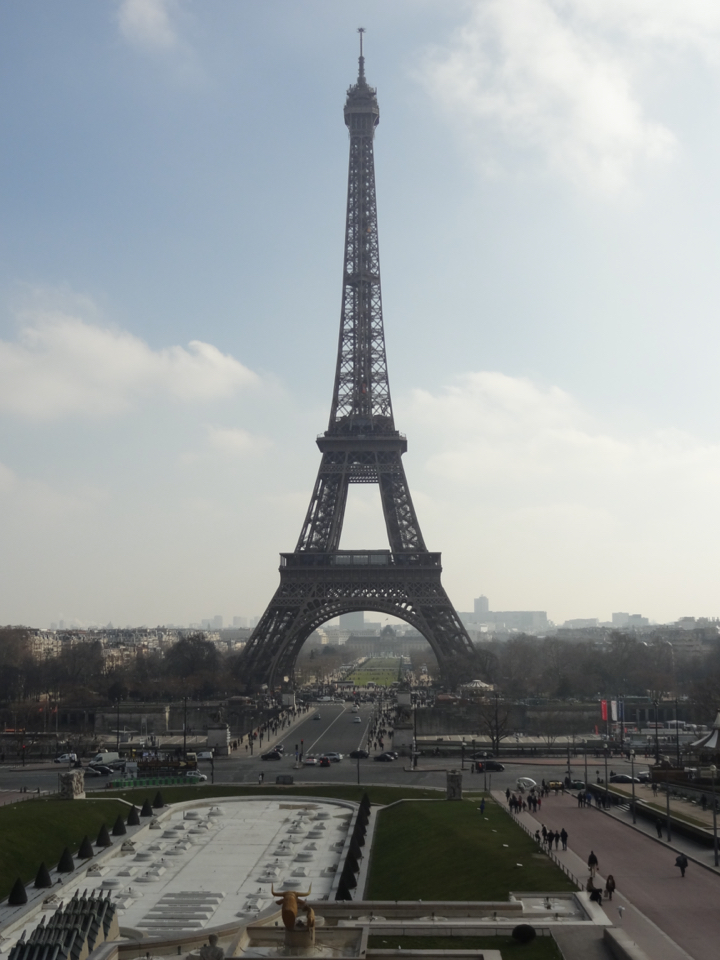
x=290, y=902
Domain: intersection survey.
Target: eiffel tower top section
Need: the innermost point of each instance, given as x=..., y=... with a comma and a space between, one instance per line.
x=361, y=397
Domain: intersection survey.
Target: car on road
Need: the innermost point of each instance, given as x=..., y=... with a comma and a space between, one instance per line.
x=357, y=719
x=359, y=754
x=489, y=766
x=317, y=717
x=66, y=758
x=195, y=775
x=324, y=762
x=95, y=772
x=271, y=755
x=205, y=755
x=384, y=758
x=554, y=784
x=644, y=776
x=525, y=783
x=311, y=760
x=332, y=757
x=577, y=784
x=624, y=778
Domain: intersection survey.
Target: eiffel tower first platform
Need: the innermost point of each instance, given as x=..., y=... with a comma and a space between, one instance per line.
x=318, y=581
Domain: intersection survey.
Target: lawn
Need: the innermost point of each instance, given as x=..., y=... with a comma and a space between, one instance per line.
x=542, y=948
x=450, y=851
x=37, y=830
x=382, y=671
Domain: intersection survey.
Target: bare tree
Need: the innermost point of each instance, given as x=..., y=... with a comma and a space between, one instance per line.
x=494, y=719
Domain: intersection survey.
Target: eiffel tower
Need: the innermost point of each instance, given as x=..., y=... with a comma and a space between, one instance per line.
x=318, y=581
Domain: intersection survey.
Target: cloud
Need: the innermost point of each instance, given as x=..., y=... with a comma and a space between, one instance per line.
x=148, y=23
x=563, y=80
x=61, y=365
x=235, y=442
x=533, y=449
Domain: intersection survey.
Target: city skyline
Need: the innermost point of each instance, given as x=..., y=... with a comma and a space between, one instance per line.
x=173, y=187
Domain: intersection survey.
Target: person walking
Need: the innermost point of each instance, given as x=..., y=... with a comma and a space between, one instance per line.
x=682, y=862
x=592, y=863
x=564, y=838
x=610, y=886
x=658, y=827
x=261, y=777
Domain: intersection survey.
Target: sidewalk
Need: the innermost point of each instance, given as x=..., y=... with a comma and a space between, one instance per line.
x=669, y=917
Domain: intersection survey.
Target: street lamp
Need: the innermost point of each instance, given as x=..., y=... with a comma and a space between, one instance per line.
x=117, y=745
x=632, y=775
x=657, y=745
x=585, y=753
x=713, y=771
x=606, y=777
x=184, y=728
x=462, y=749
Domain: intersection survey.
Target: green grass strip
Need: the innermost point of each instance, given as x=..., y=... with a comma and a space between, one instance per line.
x=37, y=830
x=450, y=851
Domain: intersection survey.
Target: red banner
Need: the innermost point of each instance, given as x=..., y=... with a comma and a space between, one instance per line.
x=603, y=709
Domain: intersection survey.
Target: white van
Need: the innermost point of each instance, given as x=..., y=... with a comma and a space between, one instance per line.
x=107, y=758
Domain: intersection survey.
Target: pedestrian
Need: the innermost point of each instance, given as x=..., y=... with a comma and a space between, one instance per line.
x=592, y=863
x=564, y=838
x=261, y=777
x=557, y=839
x=507, y=795
x=682, y=862
x=703, y=801
x=658, y=827
x=482, y=805
x=544, y=833
x=610, y=886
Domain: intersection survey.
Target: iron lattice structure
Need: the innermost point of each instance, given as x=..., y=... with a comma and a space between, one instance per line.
x=361, y=445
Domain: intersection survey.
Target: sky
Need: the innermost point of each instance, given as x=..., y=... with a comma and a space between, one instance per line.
x=172, y=186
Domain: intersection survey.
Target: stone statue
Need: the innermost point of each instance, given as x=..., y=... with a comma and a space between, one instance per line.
x=453, y=785
x=211, y=951
x=72, y=785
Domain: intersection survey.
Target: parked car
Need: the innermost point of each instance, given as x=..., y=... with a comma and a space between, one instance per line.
x=577, y=784
x=644, y=776
x=384, y=758
x=359, y=754
x=205, y=755
x=624, y=778
x=66, y=758
x=195, y=775
x=271, y=755
x=332, y=757
x=357, y=719
x=489, y=766
x=311, y=760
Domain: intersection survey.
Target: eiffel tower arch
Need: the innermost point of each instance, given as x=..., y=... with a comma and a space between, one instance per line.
x=318, y=581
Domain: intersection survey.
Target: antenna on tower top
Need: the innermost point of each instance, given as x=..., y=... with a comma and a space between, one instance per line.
x=361, y=72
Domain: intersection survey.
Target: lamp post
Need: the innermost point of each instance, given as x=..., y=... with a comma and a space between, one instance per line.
x=473, y=759
x=117, y=732
x=657, y=744
x=713, y=771
x=184, y=728
x=677, y=735
x=606, y=777
x=632, y=775
x=585, y=754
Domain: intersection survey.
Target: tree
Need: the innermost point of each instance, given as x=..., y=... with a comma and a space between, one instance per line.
x=494, y=720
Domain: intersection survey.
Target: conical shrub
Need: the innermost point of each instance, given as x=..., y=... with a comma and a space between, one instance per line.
x=18, y=894
x=365, y=803
x=158, y=802
x=103, y=839
x=43, y=877
x=146, y=809
x=67, y=864
x=119, y=828
x=343, y=893
x=351, y=863
x=86, y=849
x=133, y=819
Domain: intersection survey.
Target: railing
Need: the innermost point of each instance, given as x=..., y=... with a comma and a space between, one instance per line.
x=361, y=558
